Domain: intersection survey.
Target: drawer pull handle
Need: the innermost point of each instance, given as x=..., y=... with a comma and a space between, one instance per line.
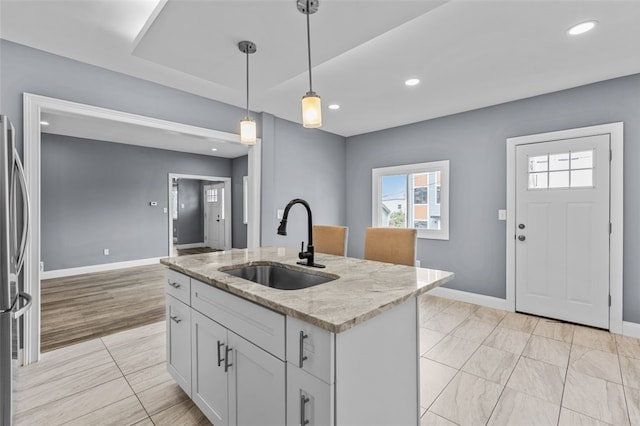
x=176, y=319
x=220, y=344
x=303, y=410
x=302, y=356
x=174, y=285
x=227, y=364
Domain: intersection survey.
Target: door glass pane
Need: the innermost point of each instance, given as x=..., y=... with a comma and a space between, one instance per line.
x=559, y=162
x=538, y=180
x=538, y=164
x=559, y=179
x=581, y=178
x=582, y=160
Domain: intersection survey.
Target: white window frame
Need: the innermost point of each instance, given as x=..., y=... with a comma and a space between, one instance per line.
x=433, y=166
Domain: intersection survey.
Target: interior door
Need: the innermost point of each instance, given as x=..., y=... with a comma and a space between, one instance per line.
x=214, y=219
x=562, y=229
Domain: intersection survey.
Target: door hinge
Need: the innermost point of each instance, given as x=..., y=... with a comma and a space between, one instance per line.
x=609, y=300
x=610, y=155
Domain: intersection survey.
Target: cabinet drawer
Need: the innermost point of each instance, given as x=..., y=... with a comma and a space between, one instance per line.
x=317, y=346
x=178, y=285
x=308, y=399
x=261, y=326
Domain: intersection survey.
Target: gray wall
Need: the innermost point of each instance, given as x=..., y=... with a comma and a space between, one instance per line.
x=475, y=143
x=96, y=195
x=300, y=163
x=239, y=169
x=24, y=69
x=190, y=212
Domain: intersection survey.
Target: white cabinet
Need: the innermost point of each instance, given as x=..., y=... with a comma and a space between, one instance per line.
x=234, y=381
x=311, y=349
x=178, y=316
x=309, y=399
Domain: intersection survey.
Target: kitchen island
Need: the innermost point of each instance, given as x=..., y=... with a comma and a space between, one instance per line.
x=340, y=353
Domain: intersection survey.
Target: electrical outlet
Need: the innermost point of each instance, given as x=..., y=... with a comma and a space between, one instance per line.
x=105, y=252
x=41, y=266
x=502, y=215
x=417, y=263
x=164, y=210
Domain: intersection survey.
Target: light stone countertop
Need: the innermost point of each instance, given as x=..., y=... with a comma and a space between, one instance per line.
x=364, y=289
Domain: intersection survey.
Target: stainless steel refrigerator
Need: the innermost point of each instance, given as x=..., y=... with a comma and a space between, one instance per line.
x=14, y=302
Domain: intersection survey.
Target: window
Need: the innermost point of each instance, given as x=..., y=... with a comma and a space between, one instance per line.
x=564, y=170
x=212, y=195
x=413, y=196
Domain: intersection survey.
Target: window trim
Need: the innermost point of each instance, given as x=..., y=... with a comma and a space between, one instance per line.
x=432, y=166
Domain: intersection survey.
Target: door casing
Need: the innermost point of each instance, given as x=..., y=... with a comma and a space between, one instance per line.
x=615, y=131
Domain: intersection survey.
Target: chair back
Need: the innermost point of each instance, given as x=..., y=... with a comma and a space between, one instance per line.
x=330, y=239
x=391, y=245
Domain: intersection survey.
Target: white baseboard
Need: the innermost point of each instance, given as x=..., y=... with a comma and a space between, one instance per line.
x=631, y=329
x=188, y=246
x=59, y=273
x=465, y=296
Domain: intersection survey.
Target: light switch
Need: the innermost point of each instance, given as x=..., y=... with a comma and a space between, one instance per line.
x=502, y=214
x=105, y=252
x=280, y=213
x=164, y=210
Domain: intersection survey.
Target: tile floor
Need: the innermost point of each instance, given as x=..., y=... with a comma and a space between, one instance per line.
x=478, y=366
x=481, y=366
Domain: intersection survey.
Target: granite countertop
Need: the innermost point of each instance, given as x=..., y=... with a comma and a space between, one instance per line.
x=364, y=289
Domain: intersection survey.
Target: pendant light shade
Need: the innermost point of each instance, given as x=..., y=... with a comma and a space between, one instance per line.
x=311, y=110
x=311, y=103
x=248, y=134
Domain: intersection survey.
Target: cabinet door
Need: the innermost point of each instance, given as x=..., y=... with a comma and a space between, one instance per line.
x=179, y=342
x=209, y=379
x=311, y=348
x=308, y=399
x=256, y=385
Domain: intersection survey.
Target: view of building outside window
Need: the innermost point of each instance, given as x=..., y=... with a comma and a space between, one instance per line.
x=411, y=200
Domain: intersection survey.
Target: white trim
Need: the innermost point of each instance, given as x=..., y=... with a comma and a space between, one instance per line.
x=615, y=130
x=189, y=246
x=33, y=106
x=227, y=208
x=630, y=329
x=465, y=296
x=432, y=166
x=59, y=273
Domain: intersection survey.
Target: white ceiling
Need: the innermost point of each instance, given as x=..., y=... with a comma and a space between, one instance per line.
x=468, y=54
x=131, y=134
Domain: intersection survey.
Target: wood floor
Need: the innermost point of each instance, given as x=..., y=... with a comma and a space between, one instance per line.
x=84, y=307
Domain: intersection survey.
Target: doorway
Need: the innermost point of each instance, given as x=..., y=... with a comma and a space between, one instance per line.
x=564, y=225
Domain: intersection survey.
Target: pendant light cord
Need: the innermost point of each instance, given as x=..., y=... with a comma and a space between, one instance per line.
x=309, y=47
x=247, y=52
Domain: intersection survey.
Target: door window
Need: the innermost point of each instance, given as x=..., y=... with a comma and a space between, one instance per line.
x=563, y=170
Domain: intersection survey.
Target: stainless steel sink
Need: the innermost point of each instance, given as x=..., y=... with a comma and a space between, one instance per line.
x=279, y=276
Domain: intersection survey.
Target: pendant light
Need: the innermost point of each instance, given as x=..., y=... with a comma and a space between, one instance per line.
x=311, y=104
x=247, y=125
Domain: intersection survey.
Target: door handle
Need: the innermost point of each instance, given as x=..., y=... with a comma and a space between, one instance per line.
x=220, y=344
x=26, y=296
x=174, y=285
x=301, y=357
x=521, y=237
x=26, y=210
x=176, y=319
x=227, y=364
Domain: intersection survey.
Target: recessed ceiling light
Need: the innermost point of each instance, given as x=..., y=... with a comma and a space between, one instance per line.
x=582, y=28
x=412, y=81
x=214, y=149
x=334, y=106
x=44, y=123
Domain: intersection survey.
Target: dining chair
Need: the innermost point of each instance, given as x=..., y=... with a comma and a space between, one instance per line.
x=330, y=239
x=391, y=245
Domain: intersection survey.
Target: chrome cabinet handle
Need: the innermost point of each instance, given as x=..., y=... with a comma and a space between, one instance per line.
x=176, y=319
x=303, y=409
x=227, y=364
x=220, y=344
x=174, y=285
x=302, y=357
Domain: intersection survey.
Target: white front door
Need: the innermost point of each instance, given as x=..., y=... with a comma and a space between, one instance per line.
x=214, y=219
x=562, y=229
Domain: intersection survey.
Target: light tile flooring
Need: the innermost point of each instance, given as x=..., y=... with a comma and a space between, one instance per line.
x=478, y=366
